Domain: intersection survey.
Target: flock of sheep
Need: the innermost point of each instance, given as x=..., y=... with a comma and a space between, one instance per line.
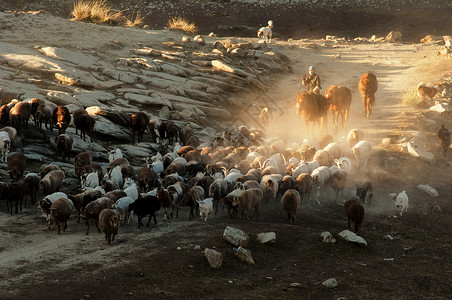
x=242, y=170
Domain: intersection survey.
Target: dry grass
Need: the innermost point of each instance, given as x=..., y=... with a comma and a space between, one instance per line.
x=136, y=19
x=95, y=11
x=179, y=23
x=411, y=98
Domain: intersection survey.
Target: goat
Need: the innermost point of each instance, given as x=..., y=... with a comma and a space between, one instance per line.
x=266, y=32
x=303, y=184
x=401, y=202
x=16, y=166
x=5, y=145
x=46, y=203
x=109, y=224
x=144, y=206
x=93, y=209
x=31, y=183
x=114, y=154
x=122, y=208
x=355, y=212
x=146, y=179
x=217, y=190
x=365, y=191
x=338, y=181
x=205, y=208
x=190, y=199
x=247, y=200
x=60, y=211
x=16, y=194
x=321, y=177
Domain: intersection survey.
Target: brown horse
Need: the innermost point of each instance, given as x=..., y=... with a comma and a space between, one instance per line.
x=368, y=86
x=339, y=99
x=313, y=108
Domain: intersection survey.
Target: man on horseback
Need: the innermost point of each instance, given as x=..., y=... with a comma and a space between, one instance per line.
x=312, y=80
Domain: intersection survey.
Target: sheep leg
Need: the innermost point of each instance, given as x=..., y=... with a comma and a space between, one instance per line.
x=155, y=219
x=256, y=213
x=149, y=221
x=87, y=229
x=139, y=220
x=348, y=222
x=58, y=223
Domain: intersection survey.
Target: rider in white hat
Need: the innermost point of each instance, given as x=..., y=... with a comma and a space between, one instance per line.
x=312, y=80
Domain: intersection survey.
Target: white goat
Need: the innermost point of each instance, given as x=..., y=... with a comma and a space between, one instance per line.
x=116, y=176
x=131, y=189
x=300, y=169
x=114, y=154
x=344, y=163
x=401, y=202
x=361, y=152
x=321, y=177
x=205, y=208
x=5, y=145
x=90, y=180
x=122, y=207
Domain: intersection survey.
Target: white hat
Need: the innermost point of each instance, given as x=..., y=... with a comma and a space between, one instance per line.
x=312, y=68
x=270, y=23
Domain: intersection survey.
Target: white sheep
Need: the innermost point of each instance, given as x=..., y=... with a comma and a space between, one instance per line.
x=5, y=145
x=312, y=165
x=344, y=163
x=122, y=207
x=300, y=169
x=401, y=202
x=131, y=189
x=321, y=177
x=269, y=187
x=114, y=154
x=90, y=180
x=361, y=152
x=46, y=202
x=116, y=176
x=205, y=208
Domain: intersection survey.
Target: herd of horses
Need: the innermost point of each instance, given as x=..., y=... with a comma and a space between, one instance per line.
x=313, y=106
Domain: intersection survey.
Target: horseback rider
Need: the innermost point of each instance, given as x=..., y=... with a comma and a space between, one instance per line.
x=312, y=80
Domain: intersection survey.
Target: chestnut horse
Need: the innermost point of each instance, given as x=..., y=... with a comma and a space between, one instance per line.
x=339, y=98
x=368, y=86
x=313, y=108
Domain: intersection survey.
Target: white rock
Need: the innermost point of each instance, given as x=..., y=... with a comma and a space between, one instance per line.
x=295, y=284
x=327, y=237
x=222, y=66
x=394, y=36
x=197, y=247
x=416, y=148
x=266, y=237
x=428, y=189
x=199, y=39
x=244, y=255
x=235, y=236
x=352, y=237
x=440, y=107
x=214, y=258
x=330, y=283
x=388, y=237
x=185, y=39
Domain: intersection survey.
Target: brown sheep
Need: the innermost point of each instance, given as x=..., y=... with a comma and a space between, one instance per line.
x=286, y=184
x=138, y=123
x=4, y=114
x=47, y=169
x=83, y=159
x=365, y=191
x=355, y=212
x=146, y=179
x=290, y=202
x=44, y=114
x=16, y=193
x=368, y=86
x=176, y=167
x=60, y=211
x=338, y=181
x=303, y=184
x=35, y=102
x=190, y=199
x=194, y=155
x=93, y=209
x=16, y=166
x=115, y=195
x=51, y=183
x=122, y=161
x=61, y=118
x=128, y=172
x=19, y=114
x=83, y=122
x=90, y=169
x=109, y=224
x=109, y=185
x=247, y=200
x=63, y=145
x=31, y=183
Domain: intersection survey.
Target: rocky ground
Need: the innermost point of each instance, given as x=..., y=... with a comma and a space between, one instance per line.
x=215, y=85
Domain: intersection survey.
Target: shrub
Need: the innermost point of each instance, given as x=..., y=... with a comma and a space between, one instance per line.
x=411, y=98
x=179, y=23
x=136, y=19
x=95, y=11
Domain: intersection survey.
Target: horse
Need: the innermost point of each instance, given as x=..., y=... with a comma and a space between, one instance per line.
x=339, y=99
x=313, y=108
x=368, y=86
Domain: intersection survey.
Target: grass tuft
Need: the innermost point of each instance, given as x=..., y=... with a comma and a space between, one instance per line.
x=96, y=11
x=179, y=23
x=411, y=98
x=136, y=19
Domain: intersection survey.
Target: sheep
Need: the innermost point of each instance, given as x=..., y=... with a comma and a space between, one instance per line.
x=128, y=172
x=46, y=203
x=300, y=169
x=19, y=114
x=35, y=102
x=176, y=167
x=354, y=136
x=89, y=180
x=121, y=162
x=247, y=200
x=114, y=154
x=228, y=202
x=334, y=151
x=312, y=165
x=83, y=159
x=44, y=114
x=303, y=184
x=249, y=184
x=115, y=175
x=166, y=201
x=131, y=189
x=93, y=209
x=153, y=125
x=323, y=157
x=4, y=114
x=79, y=172
x=63, y=145
x=51, y=183
x=16, y=193
x=205, y=208
x=361, y=152
x=290, y=202
x=5, y=145
x=109, y=185
x=115, y=195
x=217, y=190
x=344, y=163
x=401, y=202
x=191, y=197
x=31, y=183
x=84, y=122
x=47, y=169
x=355, y=212
x=122, y=207
x=321, y=177
x=338, y=181
x=60, y=211
x=144, y=206
x=287, y=183
x=82, y=199
x=138, y=123
x=12, y=132
x=61, y=118
x=146, y=179
x=269, y=187
x=365, y=191
x=109, y=224
x=16, y=166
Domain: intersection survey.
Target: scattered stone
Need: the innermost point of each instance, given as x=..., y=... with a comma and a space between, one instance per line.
x=222, y=66
x=214, y=258
x=330, y=283
x=428, y=189
x=388, y=237
x=328, y=237
x=440, y=107
x=212, y=34
x=444, y=51
x=235, y=236
x=416, y=148
x=266, y=237
x=164, y=112
x=431, y=39
x=295, y=284
x=179, y=248
x=199, y=39
x=244, y=255
x=338, y=56
x=436, y=208
x=394, y=36
x=197, y=247
x=386, y=141
x=185, y=39
x=352, y=237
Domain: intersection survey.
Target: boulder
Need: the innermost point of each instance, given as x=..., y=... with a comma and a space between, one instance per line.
x=107, y=85
x=218, y=64
x=416, y=148
x=199, y=39
x=214, y=258
x=107, y=127
x=147, y=100
x=91, y=98
x=428, y=189
x=244, y=255
x=394, y=36
x=164, y=112
x=62, y=98
x=109, y=113
x=444, y=51
x=429, y=39
x=185, y=39
x=327, y=237
x=235, y=236
x=266, y=237
x=330, y=283
x=352, y=237
x=440, y=107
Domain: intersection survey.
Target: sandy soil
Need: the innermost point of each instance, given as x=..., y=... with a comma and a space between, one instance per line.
x=146, y=263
